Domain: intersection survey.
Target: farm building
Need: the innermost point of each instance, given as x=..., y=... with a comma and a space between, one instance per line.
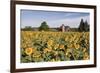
x=64, y=28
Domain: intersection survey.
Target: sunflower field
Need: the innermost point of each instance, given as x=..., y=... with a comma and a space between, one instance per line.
x=54, y=46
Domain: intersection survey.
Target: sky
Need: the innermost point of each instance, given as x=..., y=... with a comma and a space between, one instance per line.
x=34, y=18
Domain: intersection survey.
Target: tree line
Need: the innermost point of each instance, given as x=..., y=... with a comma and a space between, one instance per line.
x=83, y=27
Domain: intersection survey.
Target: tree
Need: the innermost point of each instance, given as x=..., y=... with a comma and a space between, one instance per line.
x=81, y=26
x=27, y=28
x=84, y=26
x=44, y=26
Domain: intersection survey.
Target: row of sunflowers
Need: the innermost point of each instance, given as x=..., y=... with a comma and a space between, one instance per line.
x=54, y=46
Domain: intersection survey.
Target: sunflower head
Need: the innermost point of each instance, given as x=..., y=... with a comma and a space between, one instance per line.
x=86, y=56
x=61, y=46
x=56, y=46
x=28, y=51
x=47, y=50
x=50, y=42
x=77, y=46
x=36, y=54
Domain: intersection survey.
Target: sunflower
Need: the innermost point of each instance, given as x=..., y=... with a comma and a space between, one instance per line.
x=61, y=46
x=28, y=51
x=47, y=50
x=74, y=45
x=56, y=46
x=67, y=53
x=50, y=42
x=84, y=49
x=66, y=39
x=36, y=54
x=86, y=56
x=55, y=53
x=77, y=46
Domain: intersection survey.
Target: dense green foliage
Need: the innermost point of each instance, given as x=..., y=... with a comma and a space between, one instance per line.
x=44, y=26
x=84, y=26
